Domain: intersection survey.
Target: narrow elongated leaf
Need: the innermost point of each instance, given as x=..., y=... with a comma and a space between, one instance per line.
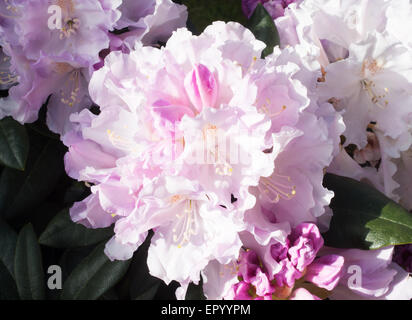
x=71, y=258
x=364, y=218
x=8, y=240
x=75, y=192
x=143, y=286
x=62, y=232
x=93, y=276
x=8, y=289
x=28, y=269
x=21, y=191
x=14, y=144
x=264, y=29
x=195, y=292
x=110, y=295
x=149, y=292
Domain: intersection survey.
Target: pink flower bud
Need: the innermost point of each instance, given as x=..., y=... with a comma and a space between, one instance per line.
x=201, y=87
x=305, y=244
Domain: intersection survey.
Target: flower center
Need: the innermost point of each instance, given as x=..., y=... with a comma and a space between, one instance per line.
x=264, y=109
x=371, y=66
x=71, y=24
x=70, y=27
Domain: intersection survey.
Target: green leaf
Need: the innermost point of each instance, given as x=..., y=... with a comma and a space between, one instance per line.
x=71, y=258
x=28, y=269
x=62, y=232
x=8, y=289
x=77, y=191
x=21, y=191
x=40, y=125
x=363, y=217
x=14, y=144
x=8, y=240
x=263, y=27
x=148, y=292
x=110, y=295
x=95, y=275
x=143, y=286
x=203, y=13
x=195, y=291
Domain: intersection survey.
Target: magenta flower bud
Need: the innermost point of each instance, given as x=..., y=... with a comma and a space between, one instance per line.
x=242, y=291
x=288, y=274
x=201, y=87
x=279, y=251
x=248, y=265
x=262, y=284
x=306, y=242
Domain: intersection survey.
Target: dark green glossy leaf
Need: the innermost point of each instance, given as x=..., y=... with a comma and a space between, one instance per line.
x=14, y=144
x=143, y=286
x=110, y=295
x=71, y=258
x=40, y=125
x=21, y=191
x=77, y=191
x=364, y=218
x=95, y=275
x=195, y=292
x=203, y=13
x=62, y=232
x=264, y=29
x=28, y=269
x=8, y=240
x=8, y=289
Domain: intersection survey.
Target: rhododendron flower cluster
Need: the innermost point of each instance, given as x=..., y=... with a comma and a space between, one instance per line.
x=209, y=149
x=183, y=142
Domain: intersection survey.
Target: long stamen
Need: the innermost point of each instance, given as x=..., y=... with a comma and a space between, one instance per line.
x=277, y=187
x=122, y=143
x=265, y=109
x=232, y=268
x=187, y=224
x=73, y=83
x=368, y=87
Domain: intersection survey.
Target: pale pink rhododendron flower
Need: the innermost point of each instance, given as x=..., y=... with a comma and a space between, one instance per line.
x=364, y=65
x=181, y=138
